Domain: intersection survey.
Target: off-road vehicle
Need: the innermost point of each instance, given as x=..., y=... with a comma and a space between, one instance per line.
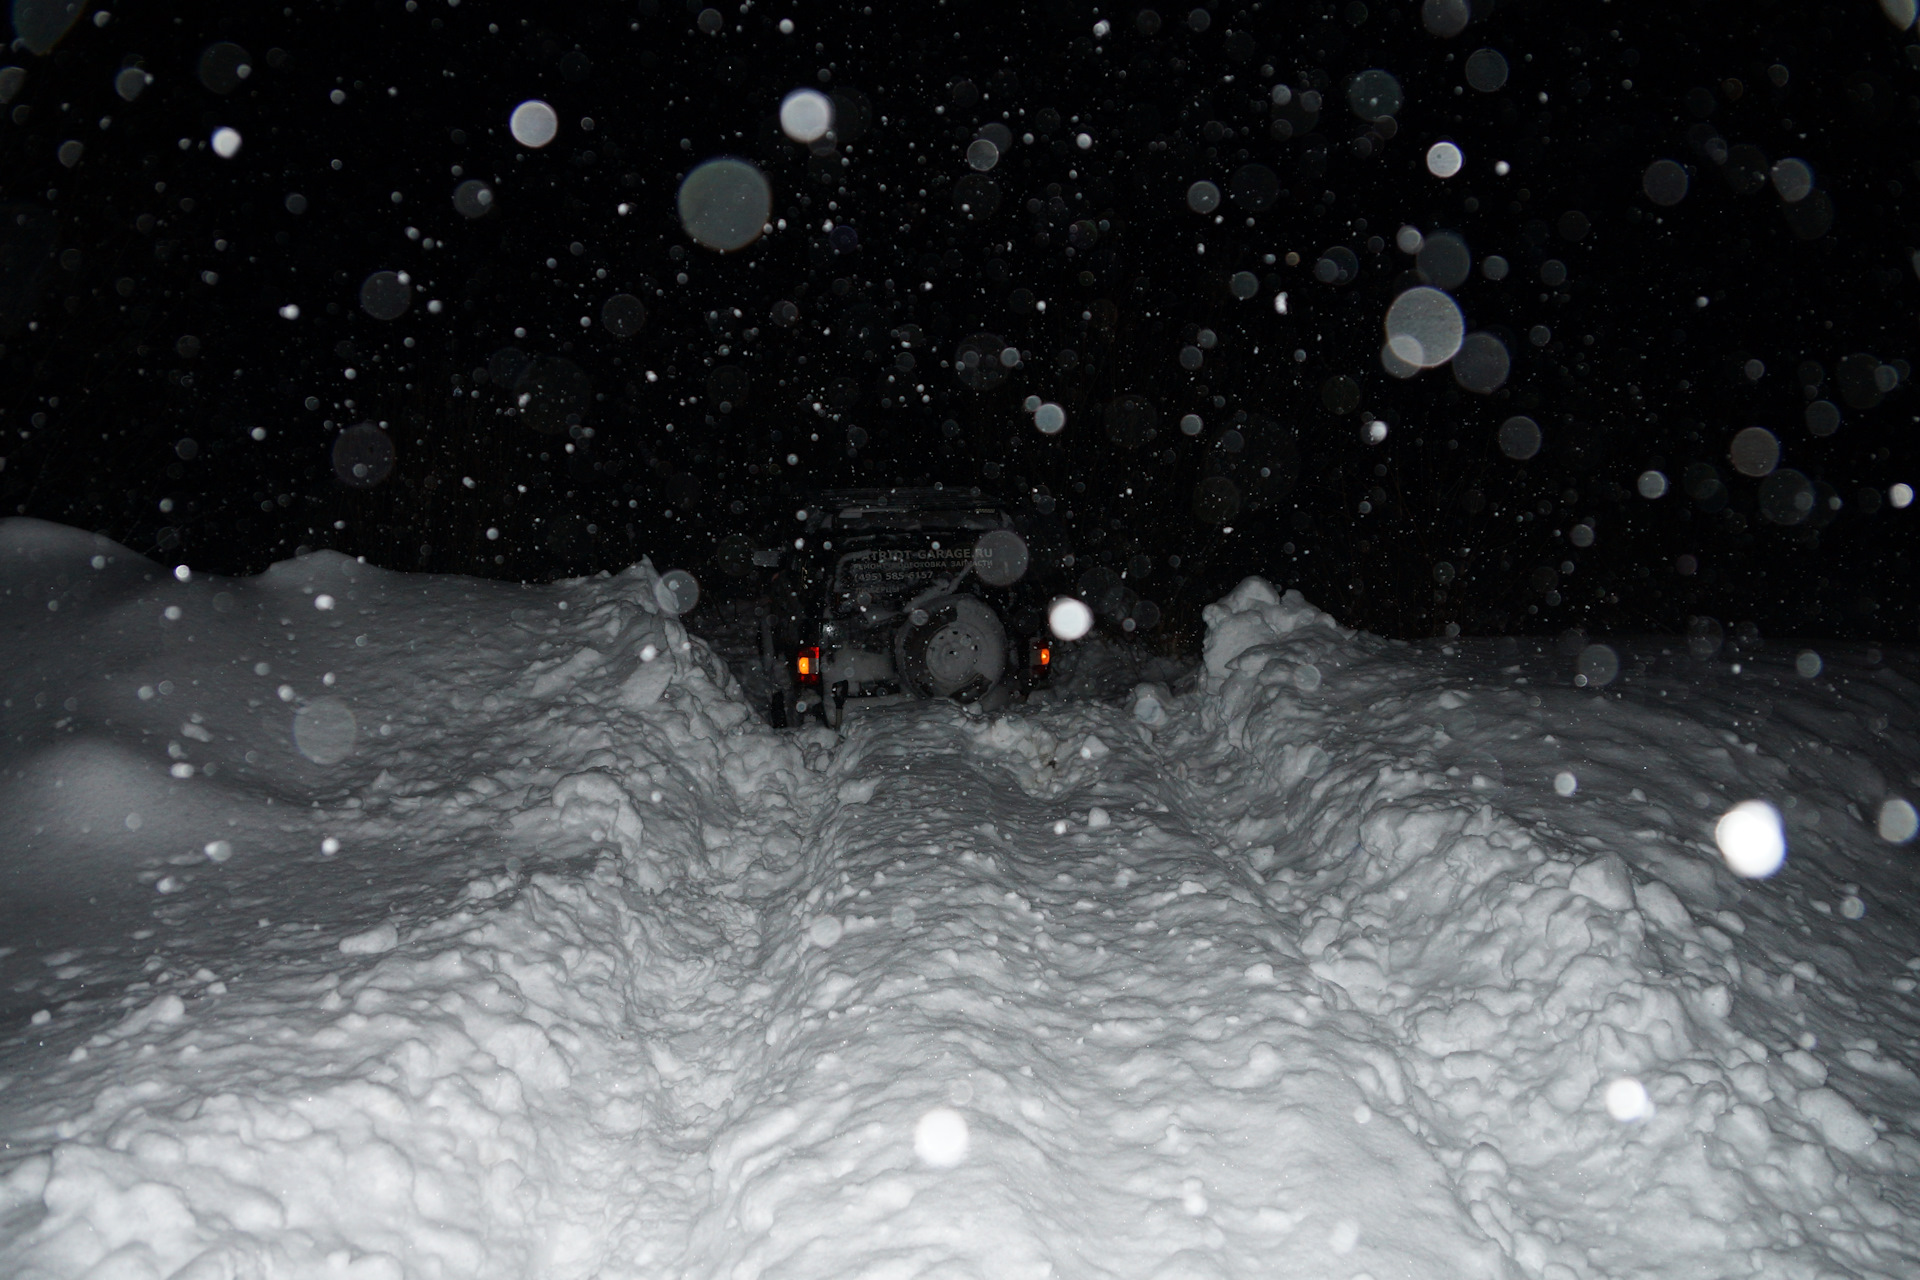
x=905, y=594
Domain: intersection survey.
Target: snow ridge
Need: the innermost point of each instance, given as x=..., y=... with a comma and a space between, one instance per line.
x=1513, y=966
x=509, y=1086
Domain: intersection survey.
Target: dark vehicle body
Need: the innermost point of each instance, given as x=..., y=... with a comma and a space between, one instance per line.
x=907, y=594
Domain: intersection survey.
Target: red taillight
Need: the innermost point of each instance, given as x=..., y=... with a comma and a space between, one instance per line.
x=807, y=665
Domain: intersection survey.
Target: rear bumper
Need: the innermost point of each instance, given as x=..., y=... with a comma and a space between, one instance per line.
x=874, y=701
x=857, y=666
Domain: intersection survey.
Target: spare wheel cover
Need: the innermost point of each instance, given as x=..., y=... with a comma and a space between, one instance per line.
x=959, y=651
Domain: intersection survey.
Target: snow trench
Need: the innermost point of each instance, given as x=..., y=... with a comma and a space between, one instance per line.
x=1304, y=970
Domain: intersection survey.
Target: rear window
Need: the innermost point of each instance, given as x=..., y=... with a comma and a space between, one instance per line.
x=894, y=573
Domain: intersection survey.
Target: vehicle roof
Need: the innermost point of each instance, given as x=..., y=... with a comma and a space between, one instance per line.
x=903, y=508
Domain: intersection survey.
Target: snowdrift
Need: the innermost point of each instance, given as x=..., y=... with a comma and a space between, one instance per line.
x=374, y=925
x=1509, y=952
x=418, y=948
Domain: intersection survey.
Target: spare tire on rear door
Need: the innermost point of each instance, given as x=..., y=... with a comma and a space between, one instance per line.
x=951, y=647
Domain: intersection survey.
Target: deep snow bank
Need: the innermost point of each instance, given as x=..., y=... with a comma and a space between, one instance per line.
x=472, y=930
x=463, y=1035
x=1518, y=950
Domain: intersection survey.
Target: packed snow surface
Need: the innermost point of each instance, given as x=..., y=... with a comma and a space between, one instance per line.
x=359, y=924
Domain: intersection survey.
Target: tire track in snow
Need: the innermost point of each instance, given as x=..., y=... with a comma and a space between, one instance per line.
x=1007, y=920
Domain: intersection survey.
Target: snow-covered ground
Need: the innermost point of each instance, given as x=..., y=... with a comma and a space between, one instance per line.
x=371, y=925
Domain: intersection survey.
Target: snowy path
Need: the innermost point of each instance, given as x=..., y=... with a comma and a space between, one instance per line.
x=1070, y=967
x=1333, y=966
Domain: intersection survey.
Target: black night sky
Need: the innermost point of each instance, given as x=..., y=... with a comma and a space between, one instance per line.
x=186, y=336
